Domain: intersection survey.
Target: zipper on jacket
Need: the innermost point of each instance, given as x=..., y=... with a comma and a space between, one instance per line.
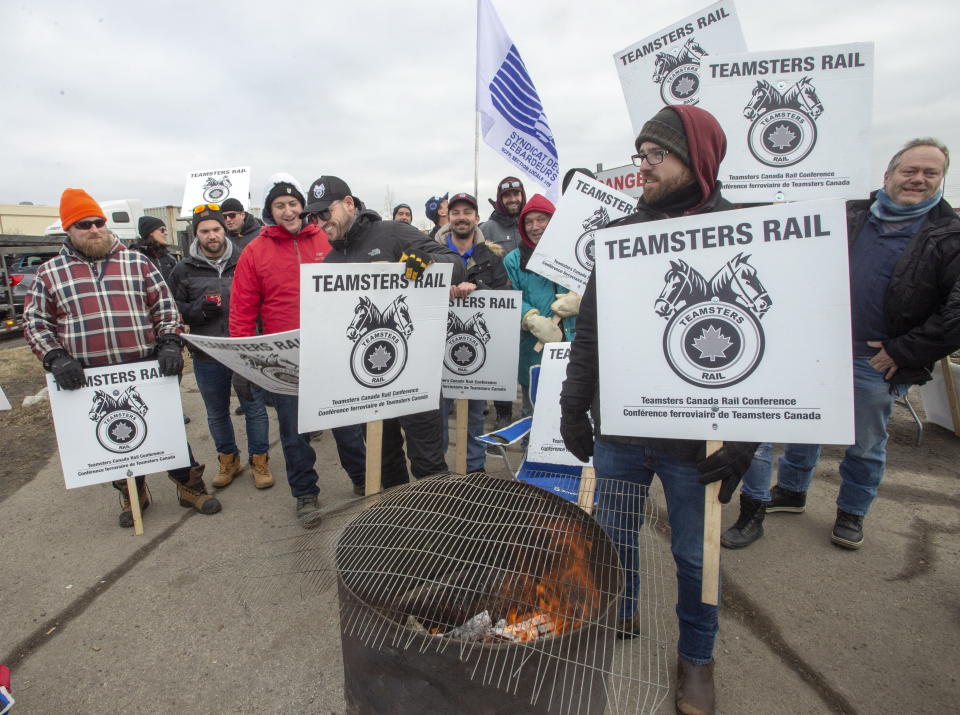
x=296, y=245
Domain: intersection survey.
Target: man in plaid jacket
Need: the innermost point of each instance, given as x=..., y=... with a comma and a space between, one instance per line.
x=98, y=303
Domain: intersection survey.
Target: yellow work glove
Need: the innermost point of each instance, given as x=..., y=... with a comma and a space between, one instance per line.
x=416, y=264
x=543, y=328
x=566, y=304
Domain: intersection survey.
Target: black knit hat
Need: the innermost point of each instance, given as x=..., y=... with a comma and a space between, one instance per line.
x=401, y=206
x=666, y=130
x=282, y=189
x=149, y=224
x=232, y=204
x=207, y=214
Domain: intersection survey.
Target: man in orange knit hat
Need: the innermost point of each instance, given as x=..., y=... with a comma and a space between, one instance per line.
x=98, y=303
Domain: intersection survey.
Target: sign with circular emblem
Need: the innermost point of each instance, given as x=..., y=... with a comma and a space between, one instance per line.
x=713, y=344
x=585, y=251
x=681, y=85
x=378, y=358
x=782, y=137
x=121, y=431
x=281, y=374
x=464, y=354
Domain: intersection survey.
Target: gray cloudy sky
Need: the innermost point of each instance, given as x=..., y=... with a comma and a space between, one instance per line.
x=123, y=99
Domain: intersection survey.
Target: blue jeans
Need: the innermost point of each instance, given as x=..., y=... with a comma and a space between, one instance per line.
x=624, y=474
x=353, y=452
x=795, y=467
x=476, y=451
x=213, y=380
x=297, y=452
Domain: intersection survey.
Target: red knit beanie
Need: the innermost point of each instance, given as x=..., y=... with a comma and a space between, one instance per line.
x=77, y=204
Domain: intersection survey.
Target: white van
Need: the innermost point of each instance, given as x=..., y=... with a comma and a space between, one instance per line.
x=122, y=218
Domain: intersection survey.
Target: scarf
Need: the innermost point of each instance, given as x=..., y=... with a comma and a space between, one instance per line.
x=886, y=210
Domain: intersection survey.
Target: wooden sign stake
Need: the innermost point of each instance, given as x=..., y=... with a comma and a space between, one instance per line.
x=134, y=495
x=372, y=483
x=710, y=577
x=588, y=485
x=950, y=384
x=460, y=455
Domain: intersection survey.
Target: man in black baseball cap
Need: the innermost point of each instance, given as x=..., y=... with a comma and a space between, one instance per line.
x=242, y=227
x=358, y=235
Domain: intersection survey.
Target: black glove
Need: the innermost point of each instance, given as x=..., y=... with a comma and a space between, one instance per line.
x=170, y=355
x=727, y=464
x=243, y=387
x=210, y=308
x=577, y=433
x=416, y=264
x=67, y=370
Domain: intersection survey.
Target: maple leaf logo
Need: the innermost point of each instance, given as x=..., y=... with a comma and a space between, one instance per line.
x=712, y=343
x=463, y=355
x=380, y=358
x=781, y=137
x=121, y=432
x=683, y=87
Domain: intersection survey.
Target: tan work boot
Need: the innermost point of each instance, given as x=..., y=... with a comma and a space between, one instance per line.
x=262, y=479
x=695, y=695
x=230, y=466
x=126, y=508
x=194, y=493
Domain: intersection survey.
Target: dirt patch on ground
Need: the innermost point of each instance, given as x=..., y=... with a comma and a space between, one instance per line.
x=28, y=439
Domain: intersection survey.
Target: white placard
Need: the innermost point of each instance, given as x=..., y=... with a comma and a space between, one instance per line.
x=797, y=122
x=546, y=444
x=4, y=402
x=564, y=253
x=730, y=326
x=483, y=340
x=666, y=67
x=126, y=421
x=214, y=186
x=270, y=361
x=625, y=179
x=373, y=339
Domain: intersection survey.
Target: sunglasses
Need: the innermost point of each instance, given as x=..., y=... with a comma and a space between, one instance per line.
x=318, y=216
x=90, y=223
x=206, y=207
x=230, y=215
x=510, y=185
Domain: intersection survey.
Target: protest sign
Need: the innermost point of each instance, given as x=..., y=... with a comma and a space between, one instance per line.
x=4, y=402
x=728, y=326
x=270, y=361
x=666, y=67
x=214, y=186
x=483, y=338
x=564, y=253
x=374, y=341
x=797, y=122
x=546, y=445
x=125, y=421
x=625, y=179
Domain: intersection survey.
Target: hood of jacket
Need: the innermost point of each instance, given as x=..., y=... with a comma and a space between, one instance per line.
x=444, y=233
x=537, y=202
x=197, y=256
x=281, y=177
x=708, y=146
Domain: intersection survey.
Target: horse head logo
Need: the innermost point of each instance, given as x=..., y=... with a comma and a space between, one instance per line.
x=683, y=286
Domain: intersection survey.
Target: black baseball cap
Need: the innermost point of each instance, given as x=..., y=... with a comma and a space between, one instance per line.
x=323, y=192
x=457, y=198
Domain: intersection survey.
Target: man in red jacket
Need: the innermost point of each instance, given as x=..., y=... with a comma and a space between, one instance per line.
x=266, y=287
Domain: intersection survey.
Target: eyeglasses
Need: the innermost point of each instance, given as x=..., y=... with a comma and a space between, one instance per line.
x=206, y=207
x=510, y=185
x=230, y=215
x=653, y=157
x=90, y=223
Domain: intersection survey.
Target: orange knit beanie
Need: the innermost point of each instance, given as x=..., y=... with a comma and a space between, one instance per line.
x=77, y=204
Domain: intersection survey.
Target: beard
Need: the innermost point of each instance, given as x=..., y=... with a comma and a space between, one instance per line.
x=463, y=230
x=95, y=248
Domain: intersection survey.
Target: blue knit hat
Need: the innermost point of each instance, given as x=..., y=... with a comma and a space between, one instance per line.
x=433, y=205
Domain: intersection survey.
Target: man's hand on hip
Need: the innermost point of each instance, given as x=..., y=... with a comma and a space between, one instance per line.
x=882, y=362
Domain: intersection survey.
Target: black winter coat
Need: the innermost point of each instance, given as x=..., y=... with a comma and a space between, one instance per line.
x=371, y=240
x=159, y=257
x=919, y=288
x=581, y=389
x=485, y=266
x=248, y=231
x=192, y=277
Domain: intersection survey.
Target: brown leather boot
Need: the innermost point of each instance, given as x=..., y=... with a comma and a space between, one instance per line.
x=126, y=508
x=230, y=466
x=194, y=493
x=262, y=479
x=695, y=694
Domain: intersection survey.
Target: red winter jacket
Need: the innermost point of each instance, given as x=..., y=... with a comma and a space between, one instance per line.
x=266, y=284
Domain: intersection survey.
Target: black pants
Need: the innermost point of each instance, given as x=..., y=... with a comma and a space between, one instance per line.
x=424, y=437
x=503, y=407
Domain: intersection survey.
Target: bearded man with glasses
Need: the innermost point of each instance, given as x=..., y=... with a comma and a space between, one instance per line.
x=97, y=303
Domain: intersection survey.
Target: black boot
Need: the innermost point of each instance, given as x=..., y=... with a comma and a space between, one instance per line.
x=749, y=527
x=847, y=530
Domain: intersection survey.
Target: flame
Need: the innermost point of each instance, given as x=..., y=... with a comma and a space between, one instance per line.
x=559, y=599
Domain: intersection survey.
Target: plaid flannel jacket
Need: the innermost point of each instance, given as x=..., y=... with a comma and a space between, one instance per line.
x=101, y=312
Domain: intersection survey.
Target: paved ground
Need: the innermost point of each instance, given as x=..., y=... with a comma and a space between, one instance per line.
x=93, y=618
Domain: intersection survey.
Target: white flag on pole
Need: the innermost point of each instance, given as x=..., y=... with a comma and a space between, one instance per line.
x=511, y=114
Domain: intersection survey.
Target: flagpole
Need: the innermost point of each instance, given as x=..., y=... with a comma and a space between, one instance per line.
x=476, y=112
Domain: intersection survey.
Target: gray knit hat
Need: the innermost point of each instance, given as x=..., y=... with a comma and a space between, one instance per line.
x=666, y=129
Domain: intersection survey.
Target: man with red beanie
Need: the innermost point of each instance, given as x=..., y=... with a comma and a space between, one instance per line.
x=98, y=303
x=679, y=152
